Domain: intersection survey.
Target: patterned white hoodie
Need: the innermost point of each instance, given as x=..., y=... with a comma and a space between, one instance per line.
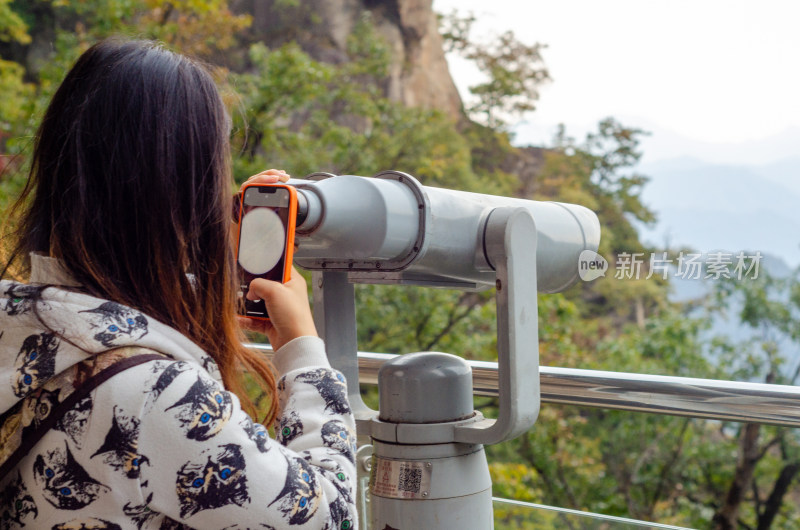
x=161, y=444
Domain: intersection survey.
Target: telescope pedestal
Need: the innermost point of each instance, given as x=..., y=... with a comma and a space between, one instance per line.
x=427, y=485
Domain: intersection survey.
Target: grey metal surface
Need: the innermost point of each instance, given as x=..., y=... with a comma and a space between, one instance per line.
x=426, y=485
x=335, y=319
x=391, y=229
x=364, y=221
x=680, y=396
x=459, y=218
x=451, y=490
x=309, y=211
x=573, y=518
x=363, y=468
x=425, y=387
x=470, y=512
x=510, y=243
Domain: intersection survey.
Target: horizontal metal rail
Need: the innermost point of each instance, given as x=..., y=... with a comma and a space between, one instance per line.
x=589, y=519
x=655, y=394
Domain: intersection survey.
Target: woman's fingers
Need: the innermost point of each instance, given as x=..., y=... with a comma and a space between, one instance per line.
x=264, y=327
x=270, y=176
x=287, y=304
x=251, y=324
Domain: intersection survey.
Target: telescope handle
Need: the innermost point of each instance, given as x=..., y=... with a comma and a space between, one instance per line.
x=511, y=254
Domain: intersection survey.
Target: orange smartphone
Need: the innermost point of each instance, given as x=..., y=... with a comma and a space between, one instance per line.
x=267, y=218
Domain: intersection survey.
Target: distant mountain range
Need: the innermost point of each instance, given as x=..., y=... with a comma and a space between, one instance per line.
x=711, y=207
x=726, y=323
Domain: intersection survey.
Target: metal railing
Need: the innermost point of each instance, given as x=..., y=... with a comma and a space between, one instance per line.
x=510, y=513
x=656, y=394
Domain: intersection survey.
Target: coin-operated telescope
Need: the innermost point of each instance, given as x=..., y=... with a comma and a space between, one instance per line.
x=428, y=468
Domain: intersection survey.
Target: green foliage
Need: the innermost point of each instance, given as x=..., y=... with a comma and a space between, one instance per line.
x=307, y=116
x=195, y=27
x=660, y=468
x=607, y=461
x=12, y=27
x=515, y=71
x=514, y=77
x=15, y=94
x=408, y=319
x=769, y=307
x=768, y=458
x=599, y=167
x=102, y=17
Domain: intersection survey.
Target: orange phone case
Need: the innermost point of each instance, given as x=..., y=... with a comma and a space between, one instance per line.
x=290, y=226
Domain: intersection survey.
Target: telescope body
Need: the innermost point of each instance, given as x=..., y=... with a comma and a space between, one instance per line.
x=391, y=229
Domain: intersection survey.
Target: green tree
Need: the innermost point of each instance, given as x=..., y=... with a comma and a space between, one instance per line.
x=514, y=70
x=767, y=458
x=308, y=116
x=14, y=105
x=609, y=461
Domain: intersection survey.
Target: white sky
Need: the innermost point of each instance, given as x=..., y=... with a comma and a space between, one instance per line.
x=705, y=76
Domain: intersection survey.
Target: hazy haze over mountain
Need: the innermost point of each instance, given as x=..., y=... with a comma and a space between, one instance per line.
x=717, y=207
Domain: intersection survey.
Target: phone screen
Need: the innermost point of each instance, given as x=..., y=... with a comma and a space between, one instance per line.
x=263, y=245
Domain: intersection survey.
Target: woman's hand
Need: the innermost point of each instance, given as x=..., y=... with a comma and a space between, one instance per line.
x=287, y=305
x=270, y=176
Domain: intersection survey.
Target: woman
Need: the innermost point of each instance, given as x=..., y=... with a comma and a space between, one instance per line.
x=125, y=230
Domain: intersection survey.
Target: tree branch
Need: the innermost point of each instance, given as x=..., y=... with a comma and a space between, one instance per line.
x=452, y=319
x=773, y=504
x=669, y=465
x=726, y=517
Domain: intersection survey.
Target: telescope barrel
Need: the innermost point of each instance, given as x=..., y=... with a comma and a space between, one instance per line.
x=391, y=229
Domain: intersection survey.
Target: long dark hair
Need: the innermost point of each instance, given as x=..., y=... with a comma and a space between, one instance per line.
x=130, y=186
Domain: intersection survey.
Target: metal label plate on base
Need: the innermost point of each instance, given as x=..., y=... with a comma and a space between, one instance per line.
x=400, y=479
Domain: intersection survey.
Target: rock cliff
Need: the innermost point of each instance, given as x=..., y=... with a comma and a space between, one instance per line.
x=418, y=74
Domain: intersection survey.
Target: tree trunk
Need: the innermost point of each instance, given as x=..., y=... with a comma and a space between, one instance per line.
x=749, y=454
x=773, y=504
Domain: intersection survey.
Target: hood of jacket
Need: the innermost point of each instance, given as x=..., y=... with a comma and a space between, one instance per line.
x=45, y=329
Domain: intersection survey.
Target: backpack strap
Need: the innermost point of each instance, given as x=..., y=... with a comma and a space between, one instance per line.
x=68, y=402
